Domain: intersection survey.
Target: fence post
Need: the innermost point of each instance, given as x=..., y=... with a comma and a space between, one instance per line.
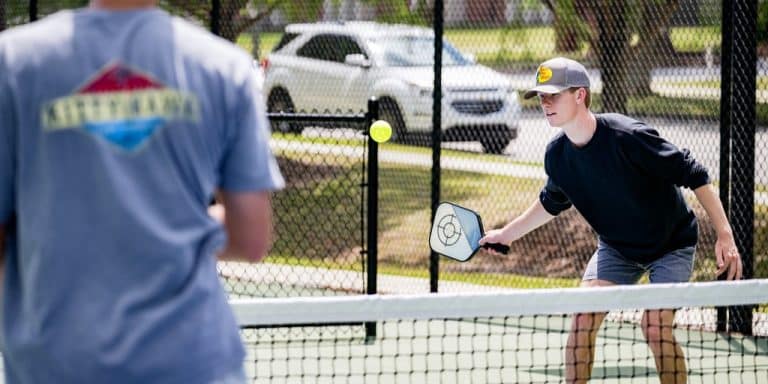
x=32, y=10
x=372, y=236
x=743, y=117
x=216, y=17
x=726, y=43
x=437, y=96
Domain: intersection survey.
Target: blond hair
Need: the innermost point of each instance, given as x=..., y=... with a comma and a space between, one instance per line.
x=587, y=98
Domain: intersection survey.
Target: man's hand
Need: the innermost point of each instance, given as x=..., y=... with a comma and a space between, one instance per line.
x=494, y=236
x=728, y=257
x=726, y=253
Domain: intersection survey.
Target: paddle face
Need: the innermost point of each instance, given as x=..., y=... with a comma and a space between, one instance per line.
x=455, y=232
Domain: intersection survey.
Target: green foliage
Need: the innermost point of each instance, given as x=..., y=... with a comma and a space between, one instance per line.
x=17, y=11
x=762, y=22
x=300, y=12
x=398, y=12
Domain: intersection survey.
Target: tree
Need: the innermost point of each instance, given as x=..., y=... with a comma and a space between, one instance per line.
x=15, y=12
x=570, y=29
x=239, y=16
x=627, y=39
x=235, y=16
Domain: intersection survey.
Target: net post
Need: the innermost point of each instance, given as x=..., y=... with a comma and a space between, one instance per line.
x=726, y=44
x=437, y=95
x=373, y=211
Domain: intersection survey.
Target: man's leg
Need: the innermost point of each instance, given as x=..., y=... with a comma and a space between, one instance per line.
x=580, y=350
x=659, y=332
x=606, y=267
x=674, y=267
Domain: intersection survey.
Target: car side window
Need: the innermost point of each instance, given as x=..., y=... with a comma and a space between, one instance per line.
x=287, y=38
x=348, y=46
x=329, y=48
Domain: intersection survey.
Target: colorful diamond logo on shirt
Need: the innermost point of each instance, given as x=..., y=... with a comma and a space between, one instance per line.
x=121, y=105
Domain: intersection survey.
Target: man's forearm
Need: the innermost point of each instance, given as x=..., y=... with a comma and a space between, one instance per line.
x=711, y=203
x=533, y=217
x=247, y=218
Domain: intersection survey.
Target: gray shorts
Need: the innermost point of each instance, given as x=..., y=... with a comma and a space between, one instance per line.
x=607, y=264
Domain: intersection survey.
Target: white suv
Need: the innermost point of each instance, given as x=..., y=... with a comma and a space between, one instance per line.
x=337, y=67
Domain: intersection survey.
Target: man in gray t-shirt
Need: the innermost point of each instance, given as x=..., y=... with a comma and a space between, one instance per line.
x=118, y=123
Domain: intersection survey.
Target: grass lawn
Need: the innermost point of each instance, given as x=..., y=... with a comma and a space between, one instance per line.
x=529, y=44
x=333, y=204
x=404, y=214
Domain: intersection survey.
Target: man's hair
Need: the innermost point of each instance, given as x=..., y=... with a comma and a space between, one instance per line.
x=587, y=98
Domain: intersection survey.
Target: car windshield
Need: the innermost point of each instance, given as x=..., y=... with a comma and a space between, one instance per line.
x=413, y=51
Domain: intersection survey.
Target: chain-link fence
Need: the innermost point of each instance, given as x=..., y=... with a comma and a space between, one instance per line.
x=659, y=61
x=322, y=245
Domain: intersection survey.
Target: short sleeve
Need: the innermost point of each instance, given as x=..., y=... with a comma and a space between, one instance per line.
x=553, y=198
x=248, y=162
x=7, y=146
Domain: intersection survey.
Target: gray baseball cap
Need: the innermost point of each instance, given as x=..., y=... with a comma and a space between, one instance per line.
x=558, y=74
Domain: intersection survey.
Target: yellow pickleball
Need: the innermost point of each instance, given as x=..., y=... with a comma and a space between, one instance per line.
x=380, y=131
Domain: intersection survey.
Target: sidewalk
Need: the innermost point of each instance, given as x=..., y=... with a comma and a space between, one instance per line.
x=339, y=280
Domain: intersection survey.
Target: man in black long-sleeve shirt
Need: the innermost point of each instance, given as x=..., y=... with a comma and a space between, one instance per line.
x=624, y=179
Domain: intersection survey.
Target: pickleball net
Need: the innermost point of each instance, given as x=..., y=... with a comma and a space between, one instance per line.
x=510, y=336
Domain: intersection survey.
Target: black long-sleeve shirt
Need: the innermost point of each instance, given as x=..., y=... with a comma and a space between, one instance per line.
x=625, y=182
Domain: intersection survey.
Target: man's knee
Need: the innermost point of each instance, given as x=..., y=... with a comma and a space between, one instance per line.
x=658, y=325
x=586, y=322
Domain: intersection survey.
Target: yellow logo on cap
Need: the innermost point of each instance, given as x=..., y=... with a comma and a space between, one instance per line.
x=543, y=75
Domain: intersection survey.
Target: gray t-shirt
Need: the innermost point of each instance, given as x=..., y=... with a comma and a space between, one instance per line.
x=115, y=130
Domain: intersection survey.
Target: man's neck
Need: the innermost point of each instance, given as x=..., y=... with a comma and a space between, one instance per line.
x=121, y=5
x=581, y=129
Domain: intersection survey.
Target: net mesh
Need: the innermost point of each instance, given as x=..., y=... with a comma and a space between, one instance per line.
x=517, y=336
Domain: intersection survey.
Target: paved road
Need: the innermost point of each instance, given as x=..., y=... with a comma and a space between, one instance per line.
x=702, y=138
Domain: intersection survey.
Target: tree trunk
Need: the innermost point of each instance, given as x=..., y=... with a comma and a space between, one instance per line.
x=567, y=26
x=612, y=47
x=230, y=13
x=654, y=49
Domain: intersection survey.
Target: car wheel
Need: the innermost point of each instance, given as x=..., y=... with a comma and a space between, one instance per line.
x=496, y=139
x=280, y=101
x=390, y=112
x=494, y=146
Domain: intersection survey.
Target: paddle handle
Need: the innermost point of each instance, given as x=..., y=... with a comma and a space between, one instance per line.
x=498, y=247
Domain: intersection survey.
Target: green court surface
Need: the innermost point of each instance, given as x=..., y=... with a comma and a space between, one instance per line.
x=512, y=350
